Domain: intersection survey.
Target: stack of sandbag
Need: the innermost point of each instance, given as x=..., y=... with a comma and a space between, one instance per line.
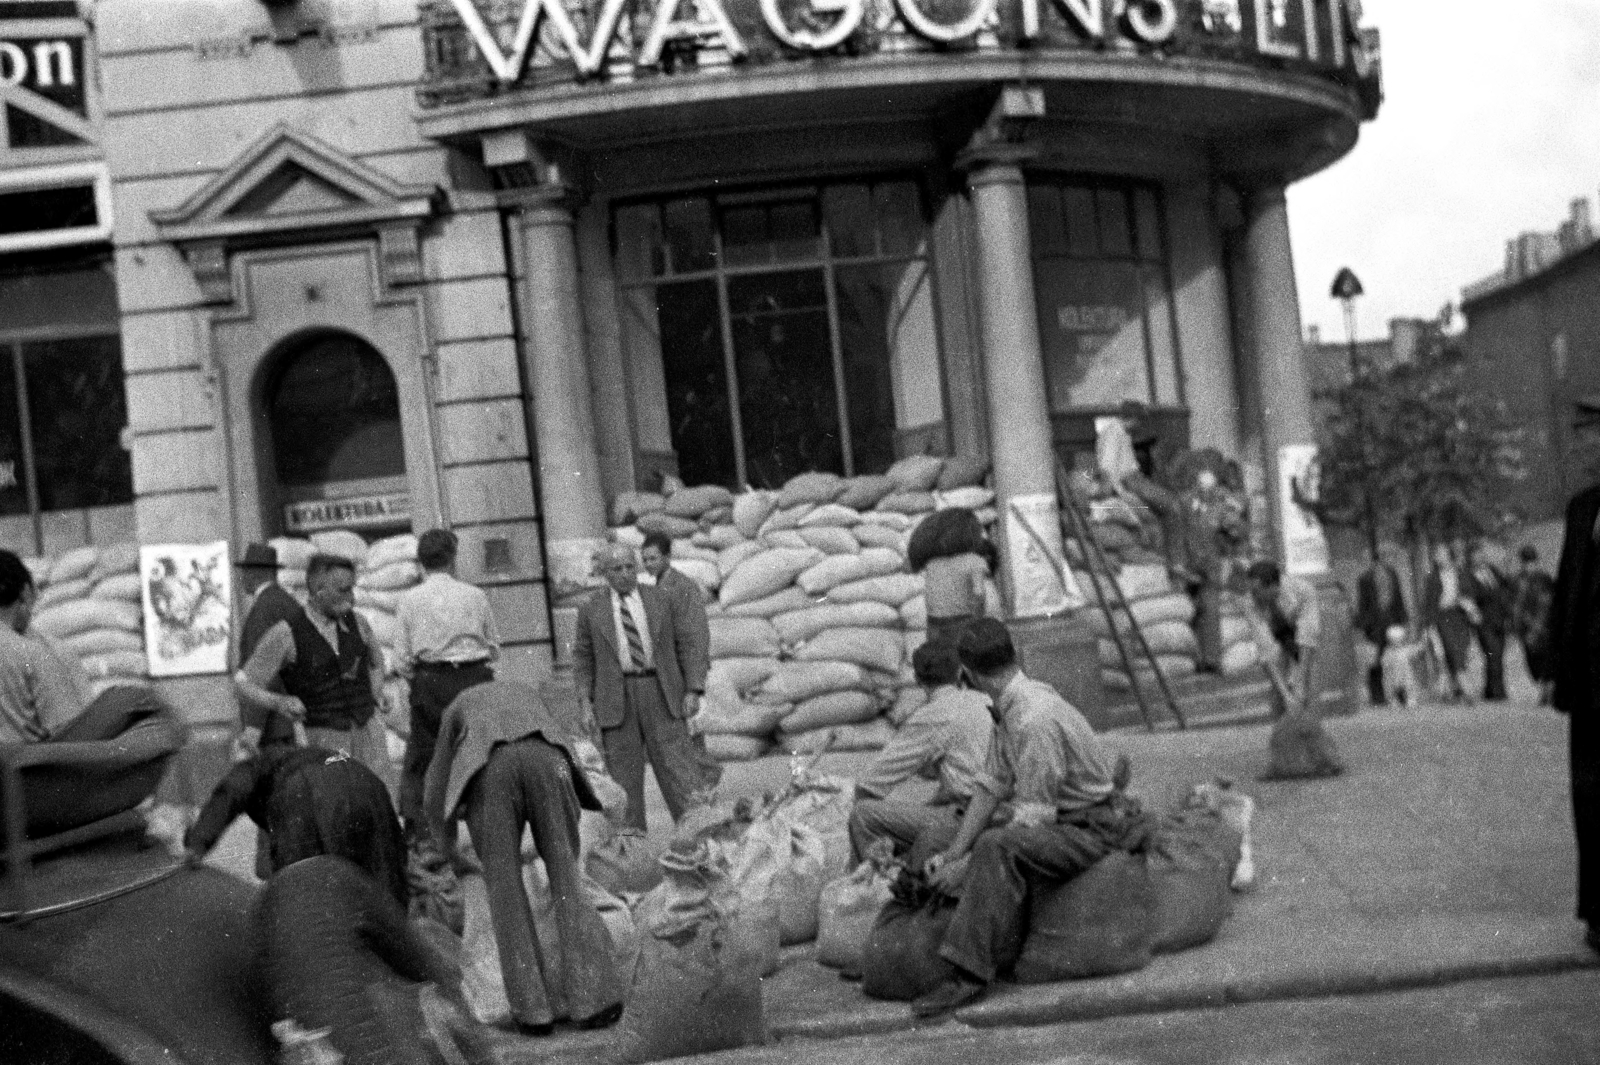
x=1125, y=528
x=90, y=604
x=813, y=612
x=1164, y=615
x=1240, y=651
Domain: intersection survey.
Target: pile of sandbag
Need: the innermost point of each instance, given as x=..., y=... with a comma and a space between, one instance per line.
x=90, y=604
x=813, y=611
x=1165, y=616
x=1240, y=651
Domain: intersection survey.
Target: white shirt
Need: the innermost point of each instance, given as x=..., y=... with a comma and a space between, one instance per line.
x=635, y=604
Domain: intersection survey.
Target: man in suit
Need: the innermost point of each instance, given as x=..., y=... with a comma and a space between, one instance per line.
x=1575, y=669
x=640, y=682
x=688, y=602
x=1380, y=606
x=503, y=762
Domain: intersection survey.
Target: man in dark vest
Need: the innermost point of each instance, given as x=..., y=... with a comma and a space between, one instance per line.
x=328, y=665
x=266, y=602
x=1575, y=668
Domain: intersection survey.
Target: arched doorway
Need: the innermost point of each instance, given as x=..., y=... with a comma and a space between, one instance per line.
x=337, y=452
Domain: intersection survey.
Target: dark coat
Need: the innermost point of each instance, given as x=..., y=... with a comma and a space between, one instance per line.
x=1575, y=610
x=1373, y=617
x=272, y=605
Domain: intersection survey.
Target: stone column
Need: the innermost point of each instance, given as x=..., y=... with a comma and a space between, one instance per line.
x=556, y=375
x=1282, y=390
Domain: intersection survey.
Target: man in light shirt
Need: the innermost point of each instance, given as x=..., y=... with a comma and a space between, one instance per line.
x=447, y=642
x=640, y=682
x=946, y=740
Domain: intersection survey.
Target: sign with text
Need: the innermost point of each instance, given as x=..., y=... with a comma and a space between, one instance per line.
x=356, y=512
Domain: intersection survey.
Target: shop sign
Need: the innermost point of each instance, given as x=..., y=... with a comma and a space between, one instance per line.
x=354, y=512
x=1283, y=29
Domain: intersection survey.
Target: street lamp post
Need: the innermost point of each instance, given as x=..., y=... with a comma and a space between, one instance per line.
x=1346, y=288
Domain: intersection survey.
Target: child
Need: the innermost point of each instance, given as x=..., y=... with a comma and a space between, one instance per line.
x=1401, y=680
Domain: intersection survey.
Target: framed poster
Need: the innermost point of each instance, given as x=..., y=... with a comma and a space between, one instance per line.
x=1305, y=548
x=187, y=607
x=1041, y=582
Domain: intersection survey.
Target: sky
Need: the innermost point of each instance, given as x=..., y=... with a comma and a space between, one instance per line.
x=1490, y=126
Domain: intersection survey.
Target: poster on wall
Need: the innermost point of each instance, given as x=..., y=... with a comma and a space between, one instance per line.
x=187, y=612
x=1041, y=583
x=1305, y=548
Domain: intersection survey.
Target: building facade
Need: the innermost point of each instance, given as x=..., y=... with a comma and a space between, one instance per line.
x=384, y=265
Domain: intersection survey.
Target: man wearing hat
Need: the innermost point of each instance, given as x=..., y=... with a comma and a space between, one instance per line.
x=266, y=602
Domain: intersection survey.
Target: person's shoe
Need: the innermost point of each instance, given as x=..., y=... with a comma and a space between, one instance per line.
x=536, y=1031
x=960, y=990
x=604, y=1019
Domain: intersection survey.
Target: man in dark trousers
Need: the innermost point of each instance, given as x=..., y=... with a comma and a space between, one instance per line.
x=504, y=763
x=640, y=682
x=688, y=602
x=266, y=603
x=1380, y=605
x=1575, y=669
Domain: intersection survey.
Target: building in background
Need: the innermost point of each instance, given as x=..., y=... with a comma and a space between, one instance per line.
x=1533, y=341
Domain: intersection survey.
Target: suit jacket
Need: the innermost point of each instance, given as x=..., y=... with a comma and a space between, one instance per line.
x=1575, y=609
x=273, y=604
x=682, y=658
x=688, y=601
x=1372, y=618
x=474, y=724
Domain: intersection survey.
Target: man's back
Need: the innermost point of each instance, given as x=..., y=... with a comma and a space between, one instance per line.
x=947, y=738
x=1045, y=750
x=39, y=689
x=446, y=620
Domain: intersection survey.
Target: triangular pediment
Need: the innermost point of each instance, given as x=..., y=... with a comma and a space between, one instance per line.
x=289, y=181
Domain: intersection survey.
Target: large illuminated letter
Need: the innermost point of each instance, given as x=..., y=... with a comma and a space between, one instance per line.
x=946, y=32
x=58, y=72
x=850, y=13
x=509, y=68
x=666, y=27
x=1153, y=21
x=1265, y=43
x=591, y=59
x=1088, y=14
x=13, y=64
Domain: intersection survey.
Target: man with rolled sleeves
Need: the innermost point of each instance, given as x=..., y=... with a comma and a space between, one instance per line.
x=640, y=682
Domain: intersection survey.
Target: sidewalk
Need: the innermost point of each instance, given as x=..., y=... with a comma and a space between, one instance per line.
x=1445, y=852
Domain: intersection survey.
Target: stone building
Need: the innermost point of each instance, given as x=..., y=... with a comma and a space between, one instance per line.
x=384, y=265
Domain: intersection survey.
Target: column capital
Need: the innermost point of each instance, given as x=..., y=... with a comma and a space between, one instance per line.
x=995, y=164
x=543, y=205
x=1269, y=194
x=1001, y=144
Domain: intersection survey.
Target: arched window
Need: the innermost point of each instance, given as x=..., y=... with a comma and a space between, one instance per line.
x=335, y=414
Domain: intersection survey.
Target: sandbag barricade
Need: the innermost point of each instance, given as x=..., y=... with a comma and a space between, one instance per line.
x=90, y=607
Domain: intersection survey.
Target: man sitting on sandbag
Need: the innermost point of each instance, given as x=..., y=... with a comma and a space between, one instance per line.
x=42, y=696
x=947, y=740
x=504, y=763
x=1069, y=813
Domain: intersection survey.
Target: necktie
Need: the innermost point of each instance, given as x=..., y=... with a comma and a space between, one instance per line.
x=635, y=644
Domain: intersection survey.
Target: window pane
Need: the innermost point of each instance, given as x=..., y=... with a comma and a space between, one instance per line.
x=78, y=409
x=848, y=209
x=794, y=229
x=1163, y=345
x=639, y=247
x=890, y=354
x=688, y=224
x=1147, y=221
x=697, y=381
x=1079, y=204
x=1047, y=226
x=1111, y=205
x=1092, y=332
x=744, y=235
x=899, y=210
x=784, y=361
x=335, y=414
x=13, y=472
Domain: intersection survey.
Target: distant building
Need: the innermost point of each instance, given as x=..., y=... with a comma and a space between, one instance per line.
x=1329, y=363
x=1533, y=342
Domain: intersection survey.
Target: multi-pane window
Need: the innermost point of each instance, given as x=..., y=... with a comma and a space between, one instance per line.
x=793, y=327
x=1104, y=298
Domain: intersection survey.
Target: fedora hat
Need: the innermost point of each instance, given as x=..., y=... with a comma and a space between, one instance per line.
x=258, y=556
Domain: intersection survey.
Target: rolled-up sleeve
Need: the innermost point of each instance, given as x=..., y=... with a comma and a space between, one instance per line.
x=913, y=747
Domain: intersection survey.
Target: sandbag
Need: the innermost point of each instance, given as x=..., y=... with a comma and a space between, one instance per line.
x=341, y=543
x=907, y=503
x=1171, y=638
x=784, y=538
x=739, y=673
x=830, y=539
x=118, y=558
x=371, y=599
x=401, y=548
x=66, y=591
x=846, y=912
x=876, y=534
x=691, y=503
x=798, y=626
x=81, y=615
x=627, y=536
x=869, y=735
x=396, y=576
x=718, y=538
x=964, y=498
x=731, y=747
x=762, y=575
x=1240, y=658
x=734, y=637
x=786, y=518
x=835, y=570
x=1173, y=607
x=863, y=493
x=901, y=958
x=666, y=525
x=629, y=507
x=1173, y=667
x=879, y=649
x=1143, y=581
x=914, y=613
x=1190, y=860
x=73, y=565
x=724, y=713
x=830, y=515
x=1236, y=629
x=385, y=626
x=293, y=551
x=116, y=664
x=773, y=606
x=728, y=558
x=794, y=682
x=961, y=471
x=847, y=707
x=799, y=885
x=705, y=574
x=893, y=589
x=815, y=488
x=916, y=473
x=823, y=802
x=1301, y=748
x=751, y=510
x=686, y=550
x=1098, y=923
x=626, y=864
x=103, y=641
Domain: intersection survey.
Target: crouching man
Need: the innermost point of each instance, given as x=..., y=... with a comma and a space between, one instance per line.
x=1068, y=814
x=947, y=739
